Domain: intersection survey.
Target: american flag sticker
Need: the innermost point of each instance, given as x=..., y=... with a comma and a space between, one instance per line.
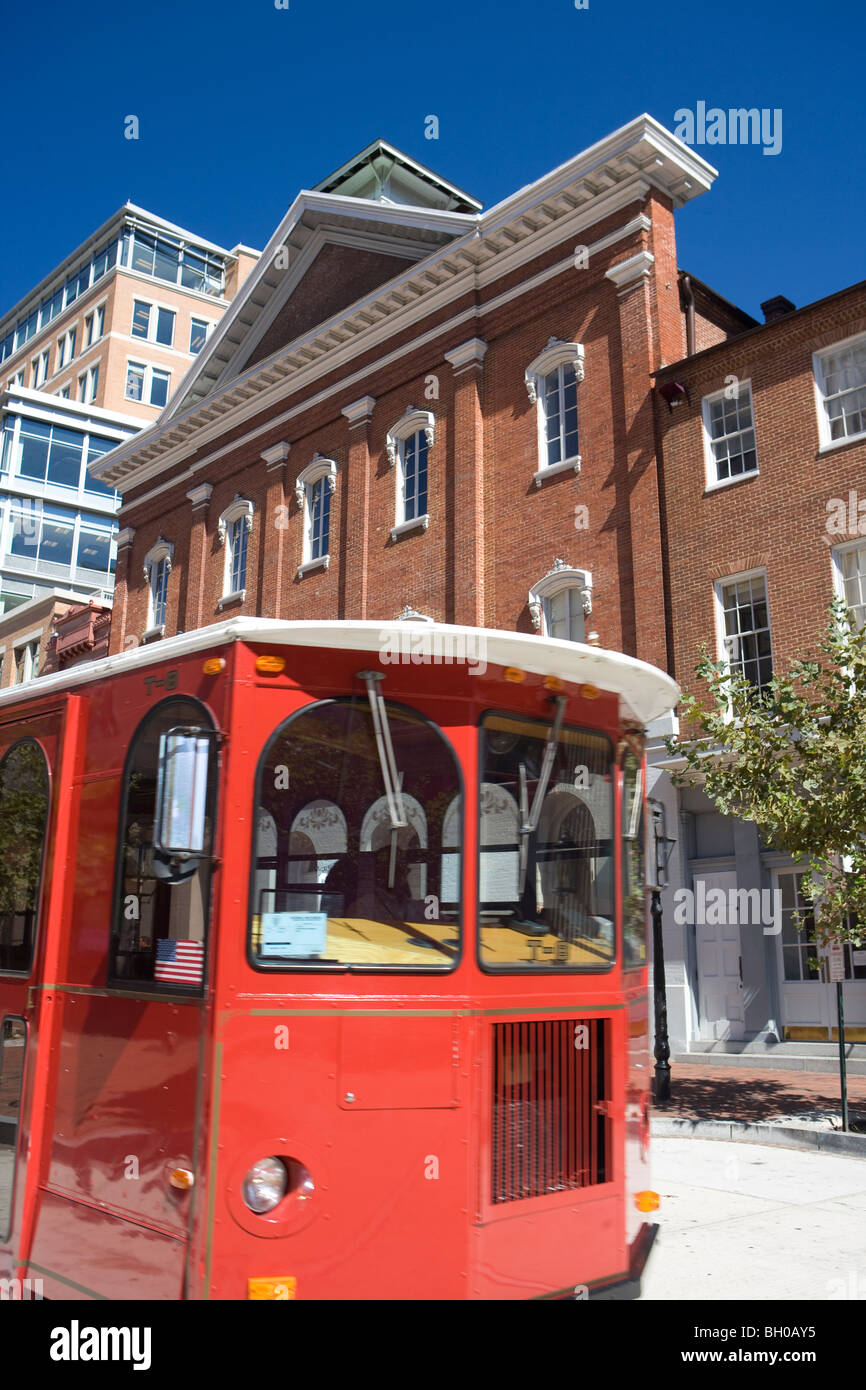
x=180, y=962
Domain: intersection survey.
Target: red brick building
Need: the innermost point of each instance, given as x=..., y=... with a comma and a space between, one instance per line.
x=415, y=402
x=763, y=488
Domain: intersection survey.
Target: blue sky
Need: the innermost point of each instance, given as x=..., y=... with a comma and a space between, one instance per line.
x=241, y=104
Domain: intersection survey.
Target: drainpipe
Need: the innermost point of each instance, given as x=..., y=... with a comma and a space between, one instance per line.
x=690, y=315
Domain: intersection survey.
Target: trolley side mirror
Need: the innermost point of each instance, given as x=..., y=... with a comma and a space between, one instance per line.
x=183, y=778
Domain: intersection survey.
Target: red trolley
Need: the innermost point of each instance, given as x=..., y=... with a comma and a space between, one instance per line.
x=323, y=967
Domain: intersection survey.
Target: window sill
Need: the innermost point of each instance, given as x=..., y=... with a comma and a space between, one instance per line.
x=722, y=483
x=153, y=633
x=321, y=563
x=840, y=443
x=551, y=469
x=238, y=596
x=404, y=527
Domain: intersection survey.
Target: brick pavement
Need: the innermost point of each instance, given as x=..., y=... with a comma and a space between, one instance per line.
x=756, y=1093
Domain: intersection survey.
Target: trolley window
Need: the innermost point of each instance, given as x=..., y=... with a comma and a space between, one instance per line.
x=163, y=894
x=633, y=869
x=356, y=851
x=24, y=805
x=545, y=871
x=13, y=1034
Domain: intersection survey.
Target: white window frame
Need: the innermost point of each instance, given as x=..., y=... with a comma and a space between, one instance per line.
x=411, y=422
x=719, y=605
x=95, y=316
x=39, y=367
x=305, y=482
x=162, y=550
x=66, y=341
x=17, y=379
x=153, y=307
x=826, y=442
x=557, y=354
x=838, y=577
x=713, y=481
x=31, y=667
x=210, y=325
x=148, y=368
x=241, y=509
x=90, y=386
x=560, y=577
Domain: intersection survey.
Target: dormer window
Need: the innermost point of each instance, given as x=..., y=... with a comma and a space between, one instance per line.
x=551, y=381
x=313, y=489
x=157, y=568
x=561, y=602
x=408, y=444
x=235, y=525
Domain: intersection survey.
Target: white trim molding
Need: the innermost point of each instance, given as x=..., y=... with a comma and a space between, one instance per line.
x=411, y=422
x=359, y=412
x=201, y=495
x=470, y=354
x=411, y=525
x=556, y=354
x=239, y=509
x=317, y=468
x=560, y=576
x=625, y=274
x=276, y=454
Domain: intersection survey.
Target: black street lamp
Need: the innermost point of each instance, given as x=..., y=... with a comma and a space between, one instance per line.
x=663, y=845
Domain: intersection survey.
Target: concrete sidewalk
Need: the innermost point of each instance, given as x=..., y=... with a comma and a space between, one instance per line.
x=744, y=1222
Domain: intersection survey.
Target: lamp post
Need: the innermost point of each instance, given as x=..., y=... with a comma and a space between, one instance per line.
x=663, y=846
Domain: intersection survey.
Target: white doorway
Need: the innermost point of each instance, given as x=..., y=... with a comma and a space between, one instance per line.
x=720, y=984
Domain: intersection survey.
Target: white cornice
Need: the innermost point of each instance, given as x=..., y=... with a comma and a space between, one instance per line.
x=276, y=454
x=200, y=495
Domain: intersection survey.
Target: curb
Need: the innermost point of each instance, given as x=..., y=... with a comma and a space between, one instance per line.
x=780, y=1136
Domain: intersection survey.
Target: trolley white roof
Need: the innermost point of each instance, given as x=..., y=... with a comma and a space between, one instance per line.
x=646, y=691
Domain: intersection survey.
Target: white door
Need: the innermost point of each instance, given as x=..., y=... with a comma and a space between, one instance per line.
x=720, y=985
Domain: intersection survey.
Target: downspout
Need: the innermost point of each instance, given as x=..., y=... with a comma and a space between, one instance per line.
x=690, y=315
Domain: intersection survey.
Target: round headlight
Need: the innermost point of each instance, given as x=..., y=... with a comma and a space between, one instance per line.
x=264, y=1186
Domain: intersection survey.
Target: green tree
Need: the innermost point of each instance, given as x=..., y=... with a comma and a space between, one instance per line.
x=792, y=758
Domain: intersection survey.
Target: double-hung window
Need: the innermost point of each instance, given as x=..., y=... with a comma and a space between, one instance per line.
x=88, y=383
x=313, y=489
x=146, y=384
x=152, y=322
x=744, y=624
x=840, y=377
x=157, y=568
x=94, y=326
x=560, y=602
x=409, y=443
x=65, y=349
x=234, y=530
x=39, y=370
x=850, y=563
x=730, y=434
x=198, y=333
x=552, y=380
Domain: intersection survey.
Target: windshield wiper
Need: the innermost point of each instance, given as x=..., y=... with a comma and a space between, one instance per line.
x=531, y=817
x=391, y=778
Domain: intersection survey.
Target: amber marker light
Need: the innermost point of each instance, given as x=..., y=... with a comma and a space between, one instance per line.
x=646, y=1201
x=214, y=665
x=553, y=683
x=181, y=1178
x=514, y=674
x=270, y=665
x=590, y=692
x=272, y=1290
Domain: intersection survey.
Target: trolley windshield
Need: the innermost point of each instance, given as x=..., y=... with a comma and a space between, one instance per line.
x=546, y=875
x=356, y=859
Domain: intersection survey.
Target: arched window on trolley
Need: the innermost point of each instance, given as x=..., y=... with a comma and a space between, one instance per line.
x=164, y=856
x=24, y=809
x=356, y=859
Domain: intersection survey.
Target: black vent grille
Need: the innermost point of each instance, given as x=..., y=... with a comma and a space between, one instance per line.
x=551, y=1106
